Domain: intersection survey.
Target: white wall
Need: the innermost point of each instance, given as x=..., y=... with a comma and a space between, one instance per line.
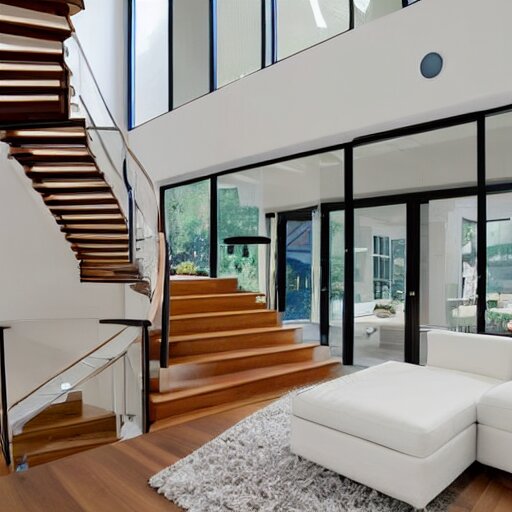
x=358, y=83
x=40, y=277
x=103, y=31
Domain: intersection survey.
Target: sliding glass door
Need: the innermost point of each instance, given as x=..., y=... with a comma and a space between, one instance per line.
x=380, y=243
x=299, y=270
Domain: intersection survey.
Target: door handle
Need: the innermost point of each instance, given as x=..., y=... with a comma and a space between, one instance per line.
x=412, y=294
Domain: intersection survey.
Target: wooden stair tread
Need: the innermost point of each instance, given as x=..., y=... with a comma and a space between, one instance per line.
x=242, y=353
x=89, y=413
x=221, y=382
x=221, y=314
x=205, y=296
x=224, y=334
x=86, y=440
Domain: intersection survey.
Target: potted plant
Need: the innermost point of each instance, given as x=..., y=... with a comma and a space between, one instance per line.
x=382, y=310
x=186, y=268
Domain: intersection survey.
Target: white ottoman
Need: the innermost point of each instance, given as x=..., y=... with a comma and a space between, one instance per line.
x=494, y=414
x=405, y=430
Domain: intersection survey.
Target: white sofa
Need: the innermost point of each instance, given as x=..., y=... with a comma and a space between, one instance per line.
x=409, y=431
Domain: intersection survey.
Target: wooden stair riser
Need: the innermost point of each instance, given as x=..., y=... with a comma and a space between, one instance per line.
x=206, y=304
x=227, y=343
x=27, y=441
x=20, y=21
x=32, y=70
x=184, y=372
x=70, y=408
x=51, y=455
x=58, y=7
x=21, y=87
x=35, y=110
x=239, y=392
x=181, y=287
x=211, y=323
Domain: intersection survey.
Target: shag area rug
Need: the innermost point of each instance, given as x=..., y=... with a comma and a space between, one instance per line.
x=249, y=468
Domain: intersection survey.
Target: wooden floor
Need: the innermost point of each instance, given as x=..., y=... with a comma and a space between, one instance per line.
x=114, y=478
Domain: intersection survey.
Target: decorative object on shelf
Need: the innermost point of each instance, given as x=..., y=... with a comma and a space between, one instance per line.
x=384, y=310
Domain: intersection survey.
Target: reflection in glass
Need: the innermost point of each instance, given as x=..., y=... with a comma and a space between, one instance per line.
x=238, y=39
x=299, y=256
x=304, y=23
x=379, y=284
x=187, y=224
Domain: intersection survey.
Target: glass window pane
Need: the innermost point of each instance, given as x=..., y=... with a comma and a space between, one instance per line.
x=336, y=279
x=187, y=224
x=304, y=23
x=240, y=214
x=435, y=159
x=151, y=59
x=369, y=10
x=499, y=263
x=448, y=266
x=499, y=148
x=191, y=50
x=238, y=39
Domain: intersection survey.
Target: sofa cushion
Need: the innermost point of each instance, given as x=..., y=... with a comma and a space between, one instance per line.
x=474, y=353
x=408, y=408
x=495, y=407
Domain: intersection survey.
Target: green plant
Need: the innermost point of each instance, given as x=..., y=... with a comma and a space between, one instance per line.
x=187, y=268
x=385, y=307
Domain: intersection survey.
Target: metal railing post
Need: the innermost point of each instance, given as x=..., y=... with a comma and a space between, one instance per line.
x=4, y=404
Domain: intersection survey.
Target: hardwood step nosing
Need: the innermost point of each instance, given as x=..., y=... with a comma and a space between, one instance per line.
x=266, y=373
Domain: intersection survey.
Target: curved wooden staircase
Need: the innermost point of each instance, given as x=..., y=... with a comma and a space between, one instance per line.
x=227, y=350
x=53, y=149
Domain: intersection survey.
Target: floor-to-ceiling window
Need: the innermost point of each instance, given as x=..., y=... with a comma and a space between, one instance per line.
x=422, y=236
x=187, y=223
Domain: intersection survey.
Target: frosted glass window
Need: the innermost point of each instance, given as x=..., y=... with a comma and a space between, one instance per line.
x=238, y=39
x=499, y=147
x=304, y=23
x=150, y=59
x=369, y=10
x=191, y=50
x=434, y=159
